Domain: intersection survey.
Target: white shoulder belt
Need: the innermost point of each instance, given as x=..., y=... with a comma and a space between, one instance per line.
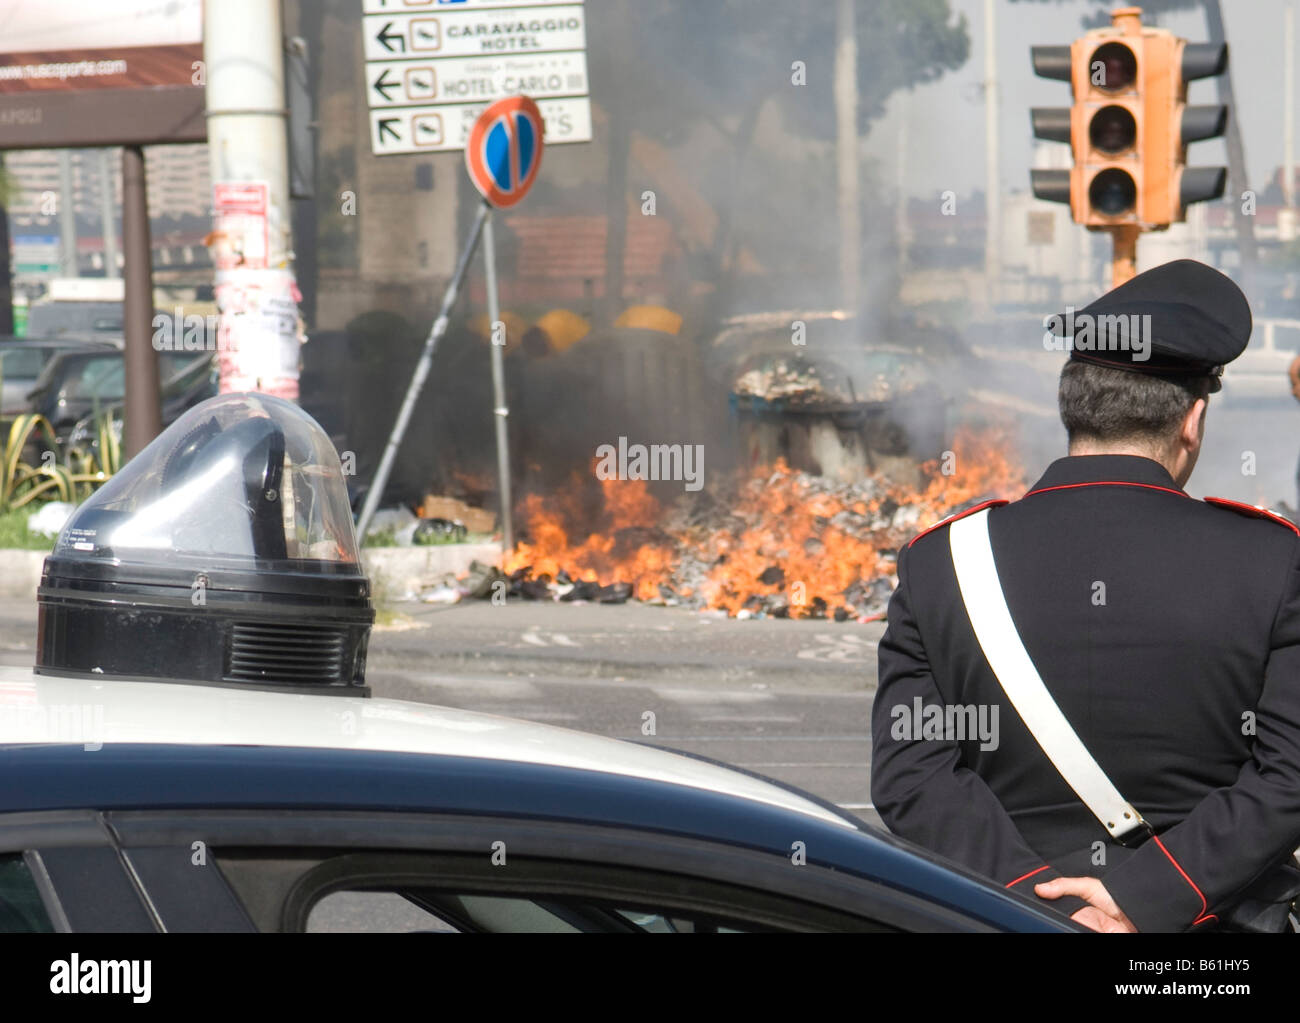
x=986, y=606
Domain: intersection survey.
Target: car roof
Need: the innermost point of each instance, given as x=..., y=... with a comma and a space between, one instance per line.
x=47, y=709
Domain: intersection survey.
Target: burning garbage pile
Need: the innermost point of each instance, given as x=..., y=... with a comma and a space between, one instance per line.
x=777, y=542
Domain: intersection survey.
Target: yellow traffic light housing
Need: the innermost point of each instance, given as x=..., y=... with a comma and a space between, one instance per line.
x=1129, y=128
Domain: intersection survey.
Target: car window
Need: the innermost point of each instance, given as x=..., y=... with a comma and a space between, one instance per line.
x=434, y=911
x=102, y=379
x=21, y=908
x=371, y=913
x=399, y=891
x=20, y=363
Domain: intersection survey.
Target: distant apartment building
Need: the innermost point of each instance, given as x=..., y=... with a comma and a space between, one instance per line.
x=179, y=189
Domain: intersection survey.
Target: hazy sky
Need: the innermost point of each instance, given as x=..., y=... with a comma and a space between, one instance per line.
x=948, y=115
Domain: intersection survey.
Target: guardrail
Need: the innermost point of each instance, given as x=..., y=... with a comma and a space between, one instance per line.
x=1271, y=326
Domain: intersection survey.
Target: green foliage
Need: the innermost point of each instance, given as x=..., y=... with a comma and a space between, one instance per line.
x=380, y=538
x=32, y=471
x=105, y=459
x=21, y=482
x=14, y=532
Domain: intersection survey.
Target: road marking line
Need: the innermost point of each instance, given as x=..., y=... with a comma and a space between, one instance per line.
x=492, y=689
x=799, y=763
x=704, y=696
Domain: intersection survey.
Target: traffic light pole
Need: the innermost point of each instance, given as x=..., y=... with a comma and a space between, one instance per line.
x=1123, y=266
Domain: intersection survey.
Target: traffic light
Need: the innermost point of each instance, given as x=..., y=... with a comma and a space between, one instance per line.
x=1129, y=125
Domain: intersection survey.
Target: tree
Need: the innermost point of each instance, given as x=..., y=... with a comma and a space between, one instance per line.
x=665, y=70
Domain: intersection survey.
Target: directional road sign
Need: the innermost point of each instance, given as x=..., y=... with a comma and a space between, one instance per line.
x=403, y=83
x=432, y=66
x=446, y=128
x=473, y=33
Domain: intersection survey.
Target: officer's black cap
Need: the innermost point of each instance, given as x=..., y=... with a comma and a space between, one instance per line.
x=1199, y=322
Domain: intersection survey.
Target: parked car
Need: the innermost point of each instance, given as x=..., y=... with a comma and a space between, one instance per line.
x=398, y=816
x=51, y=318
x=23, y=359
x=192, y=383
x=78, y=384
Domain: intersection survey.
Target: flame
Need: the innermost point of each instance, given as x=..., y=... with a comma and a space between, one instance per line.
x=798, y=532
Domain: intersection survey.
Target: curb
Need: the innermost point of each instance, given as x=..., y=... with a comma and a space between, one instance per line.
x=392, y=570
x=395, y=571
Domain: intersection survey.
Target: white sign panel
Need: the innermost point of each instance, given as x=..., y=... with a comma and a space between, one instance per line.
x=402, y=83
x=424, y=6
x=432, y=66
x=446, y=128
x=474, y=32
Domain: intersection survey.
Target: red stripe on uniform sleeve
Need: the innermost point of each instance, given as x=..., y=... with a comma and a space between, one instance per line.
x=1030, y=874
x=1204, y=905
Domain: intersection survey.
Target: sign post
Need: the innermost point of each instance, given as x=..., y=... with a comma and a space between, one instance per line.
x=371, y=504
x=503, y=156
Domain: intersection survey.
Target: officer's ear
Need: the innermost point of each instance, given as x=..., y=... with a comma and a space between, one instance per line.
x=1193, y=428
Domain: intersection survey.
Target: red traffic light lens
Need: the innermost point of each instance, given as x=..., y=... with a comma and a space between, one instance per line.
x=1113, y=67
x=1112, y=130
x=1112, y=192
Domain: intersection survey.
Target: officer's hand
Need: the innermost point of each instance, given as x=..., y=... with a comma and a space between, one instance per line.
x=1094, y=918
x=1101, y=915
x=1293, y=371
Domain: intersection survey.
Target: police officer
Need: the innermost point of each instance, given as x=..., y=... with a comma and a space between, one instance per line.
x=1166, y=629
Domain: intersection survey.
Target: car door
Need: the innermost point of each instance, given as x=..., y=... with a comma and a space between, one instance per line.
x=61, y=871
x=368, y=871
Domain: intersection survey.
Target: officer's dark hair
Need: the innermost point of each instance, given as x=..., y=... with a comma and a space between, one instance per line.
x=1099, y=403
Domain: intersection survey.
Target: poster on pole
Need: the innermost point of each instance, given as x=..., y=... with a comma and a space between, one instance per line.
x=241, y=237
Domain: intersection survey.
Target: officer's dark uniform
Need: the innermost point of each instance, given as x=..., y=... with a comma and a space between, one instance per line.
x=1168, y=631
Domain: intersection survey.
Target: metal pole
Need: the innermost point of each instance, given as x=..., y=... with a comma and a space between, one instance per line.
x=846, y=145
x=248, y=146
x=106, y=202
x=1124, y=260
x=1288, y=105
x=143, y=397
x=421, y=374
x=900, y=212
x=67, y=217
x=992, y=183
x=500, y=410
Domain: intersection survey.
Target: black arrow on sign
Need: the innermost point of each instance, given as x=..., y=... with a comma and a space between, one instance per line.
x=386, y=126
x=385, y=35
x=382, y=83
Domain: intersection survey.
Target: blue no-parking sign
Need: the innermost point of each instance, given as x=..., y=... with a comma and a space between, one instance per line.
x=505, y=150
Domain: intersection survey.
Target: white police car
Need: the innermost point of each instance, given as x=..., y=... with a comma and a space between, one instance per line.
x=196, y=750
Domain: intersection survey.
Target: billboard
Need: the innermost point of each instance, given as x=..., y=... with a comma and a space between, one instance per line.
x=85, y=73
